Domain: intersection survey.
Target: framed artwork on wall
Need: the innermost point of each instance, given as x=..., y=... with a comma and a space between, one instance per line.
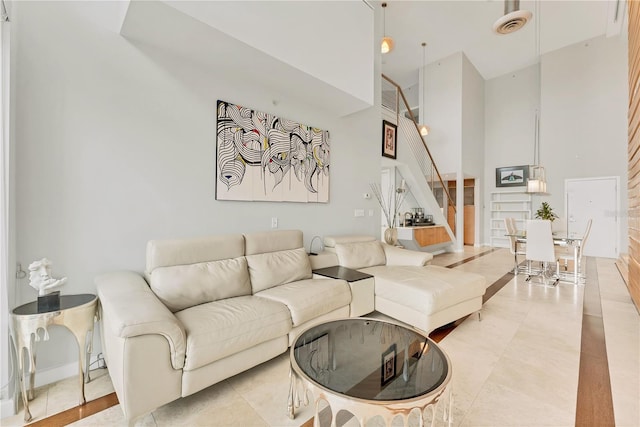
x=389, y=139
x=512, y=176
x=263, y=157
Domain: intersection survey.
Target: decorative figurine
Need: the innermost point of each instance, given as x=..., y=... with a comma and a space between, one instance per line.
x=40, y=277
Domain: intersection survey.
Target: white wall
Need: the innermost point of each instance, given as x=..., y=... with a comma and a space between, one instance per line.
x=315, y=47
x=583, y=123
x=115, y=145
x=472, y=135
x=583, y=128
x=443, y=113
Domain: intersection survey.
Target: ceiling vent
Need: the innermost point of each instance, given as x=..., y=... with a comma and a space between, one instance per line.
x=513, y=18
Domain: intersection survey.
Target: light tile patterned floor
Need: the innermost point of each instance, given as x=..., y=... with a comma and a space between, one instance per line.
x=517, y=367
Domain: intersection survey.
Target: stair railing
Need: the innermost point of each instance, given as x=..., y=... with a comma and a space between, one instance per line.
x=431, y=172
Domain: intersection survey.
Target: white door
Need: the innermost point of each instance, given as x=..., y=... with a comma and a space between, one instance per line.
x=597, y=199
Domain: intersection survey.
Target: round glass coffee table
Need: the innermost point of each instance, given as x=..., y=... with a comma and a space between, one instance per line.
x=370, y=368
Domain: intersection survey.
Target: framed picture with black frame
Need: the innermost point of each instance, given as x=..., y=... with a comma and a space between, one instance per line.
x=512, y=176
x=389, y=139
x=388, y=365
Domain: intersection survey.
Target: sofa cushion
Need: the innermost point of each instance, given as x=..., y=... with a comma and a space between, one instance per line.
x=277, y=268
x=428, y=289
x=221, y=328
x=361, y=254
x=332, y=241
x=164, y=253
x=272, y=241
x=308, y=299
x=183, y=286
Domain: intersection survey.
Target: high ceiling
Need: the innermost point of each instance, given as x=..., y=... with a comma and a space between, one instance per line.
x=449, y=26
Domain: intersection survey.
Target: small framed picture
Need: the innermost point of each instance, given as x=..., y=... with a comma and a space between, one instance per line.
x=388, y=365
x=389, y=139
x=512, y=176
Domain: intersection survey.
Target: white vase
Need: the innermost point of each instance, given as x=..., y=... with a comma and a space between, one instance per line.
x=391, y=236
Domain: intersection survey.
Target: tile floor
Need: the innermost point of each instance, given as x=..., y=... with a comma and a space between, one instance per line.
x=517, y=367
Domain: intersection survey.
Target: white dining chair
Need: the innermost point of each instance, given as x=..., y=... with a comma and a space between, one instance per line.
x=515, y=247
x=540, y=249
x=566, y=253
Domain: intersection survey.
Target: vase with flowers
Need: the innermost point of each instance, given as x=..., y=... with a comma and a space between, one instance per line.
x=390, y=205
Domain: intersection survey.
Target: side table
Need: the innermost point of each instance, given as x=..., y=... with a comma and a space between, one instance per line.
x=77, y=313
x=361, y=284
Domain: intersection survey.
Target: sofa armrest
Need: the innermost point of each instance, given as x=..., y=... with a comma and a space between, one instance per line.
x=130, y=309
x=399, y=256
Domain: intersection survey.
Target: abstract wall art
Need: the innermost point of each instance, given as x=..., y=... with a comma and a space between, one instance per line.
x=262, y=157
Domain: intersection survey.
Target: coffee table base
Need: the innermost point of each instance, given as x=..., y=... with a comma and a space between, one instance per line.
x=299, y=390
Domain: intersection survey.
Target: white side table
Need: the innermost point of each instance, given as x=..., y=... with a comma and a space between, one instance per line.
x=77, y=313
x=361, y=284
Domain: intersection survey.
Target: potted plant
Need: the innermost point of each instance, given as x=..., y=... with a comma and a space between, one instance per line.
x=546, y=212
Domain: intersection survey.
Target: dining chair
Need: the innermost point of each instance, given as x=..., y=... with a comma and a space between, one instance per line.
x=566, y=252
x=515, y=248
x=540, y=249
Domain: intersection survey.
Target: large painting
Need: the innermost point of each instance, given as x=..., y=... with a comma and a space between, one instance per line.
x=264, y=157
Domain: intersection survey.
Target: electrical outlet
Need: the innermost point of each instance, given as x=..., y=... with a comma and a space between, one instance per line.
x=370, y=212
x=359, y=212
x=274, y=222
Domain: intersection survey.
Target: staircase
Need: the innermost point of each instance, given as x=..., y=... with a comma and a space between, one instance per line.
x=414, y=161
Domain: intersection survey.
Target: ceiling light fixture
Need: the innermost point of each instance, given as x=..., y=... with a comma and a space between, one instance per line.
x=424, y=129
x=387, y=42
x=513, y=18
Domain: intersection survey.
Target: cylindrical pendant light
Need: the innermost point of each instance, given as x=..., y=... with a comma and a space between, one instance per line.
x=387, y=42
x=424, y=129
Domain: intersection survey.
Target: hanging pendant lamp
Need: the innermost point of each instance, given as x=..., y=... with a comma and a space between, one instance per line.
x=537, y=182
x=387, y=42
x=424, y=129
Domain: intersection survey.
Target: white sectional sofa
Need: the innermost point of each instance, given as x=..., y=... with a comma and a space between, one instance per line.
x=207, y=309
x=406, y=287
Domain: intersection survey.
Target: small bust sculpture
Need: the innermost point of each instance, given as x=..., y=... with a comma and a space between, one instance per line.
x=40, y=277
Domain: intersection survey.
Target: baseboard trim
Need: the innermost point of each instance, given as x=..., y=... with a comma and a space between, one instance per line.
x=52, y=375
x=7, y=407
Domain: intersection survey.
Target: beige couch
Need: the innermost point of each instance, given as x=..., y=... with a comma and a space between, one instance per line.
x=406, y=287
x=207, y=309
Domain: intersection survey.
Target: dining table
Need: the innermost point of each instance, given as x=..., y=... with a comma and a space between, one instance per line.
x=561, y=239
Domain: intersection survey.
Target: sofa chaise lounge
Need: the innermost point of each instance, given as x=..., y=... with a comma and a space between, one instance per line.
x=410, y=289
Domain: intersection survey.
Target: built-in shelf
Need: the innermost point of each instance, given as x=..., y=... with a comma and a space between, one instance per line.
x=507, y=204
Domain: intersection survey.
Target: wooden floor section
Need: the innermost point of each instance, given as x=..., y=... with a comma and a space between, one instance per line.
x=594, y=405
x=79, y=412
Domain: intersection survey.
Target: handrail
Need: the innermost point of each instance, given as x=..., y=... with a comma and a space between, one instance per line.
x=415, y=123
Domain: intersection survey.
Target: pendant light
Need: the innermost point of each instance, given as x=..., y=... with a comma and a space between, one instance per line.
x=387, y=42
x=424, y=129
x=537, y=182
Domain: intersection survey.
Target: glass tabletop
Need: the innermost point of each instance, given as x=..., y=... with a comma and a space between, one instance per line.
x=370, y=359
x=66, y=302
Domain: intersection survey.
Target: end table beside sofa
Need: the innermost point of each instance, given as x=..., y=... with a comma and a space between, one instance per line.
x=209, y=308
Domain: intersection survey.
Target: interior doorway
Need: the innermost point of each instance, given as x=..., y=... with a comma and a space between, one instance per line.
x=597, y=199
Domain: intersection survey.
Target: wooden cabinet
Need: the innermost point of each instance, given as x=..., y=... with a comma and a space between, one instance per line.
x=426, y=236
x=469, y=225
